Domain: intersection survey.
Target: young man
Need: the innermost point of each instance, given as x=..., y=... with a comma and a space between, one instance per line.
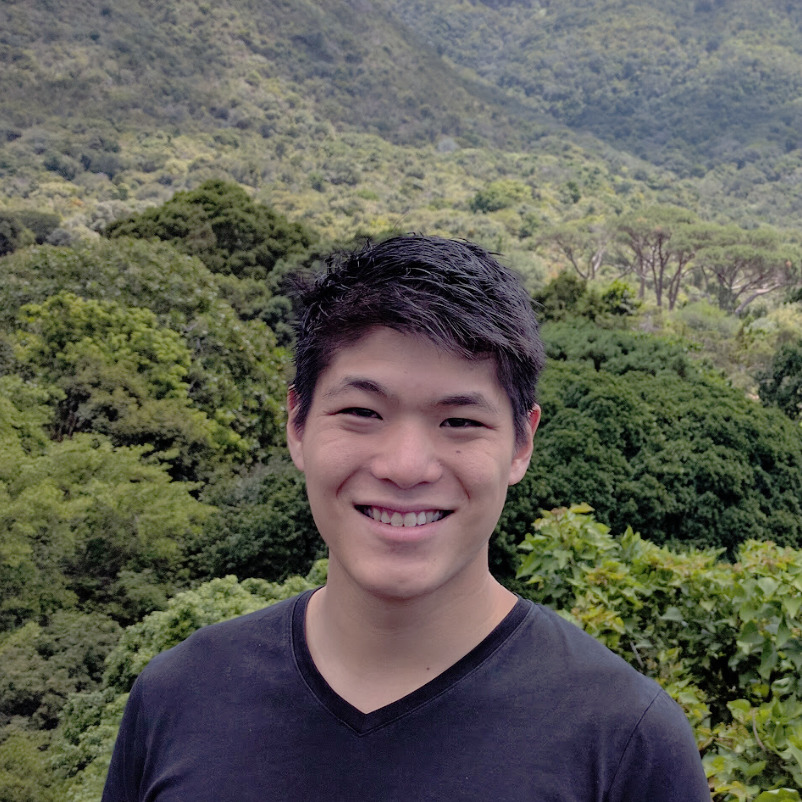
x=412, y=674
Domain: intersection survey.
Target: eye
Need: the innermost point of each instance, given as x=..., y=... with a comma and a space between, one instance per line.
x=461, y=423
x=359, y=412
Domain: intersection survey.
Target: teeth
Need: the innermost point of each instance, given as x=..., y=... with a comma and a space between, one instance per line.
x=401, y=518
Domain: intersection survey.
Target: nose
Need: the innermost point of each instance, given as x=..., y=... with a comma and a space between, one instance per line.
x=407, y=455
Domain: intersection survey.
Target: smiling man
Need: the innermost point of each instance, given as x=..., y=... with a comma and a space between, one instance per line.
x=412, y=674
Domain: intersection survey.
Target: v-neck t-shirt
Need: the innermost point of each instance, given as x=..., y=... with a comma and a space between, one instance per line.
x=537, y=711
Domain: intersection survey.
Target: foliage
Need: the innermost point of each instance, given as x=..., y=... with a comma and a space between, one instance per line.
x=223, y=227
x=561, y=297
x=14, y=233
x=24, y=772
x=44, y=664
x=633, y=426
x=662, y=242
x=234, y=372
x=723, y=639
x=781, y=384
x=90, y=722
x=262, y=528
x=118, y=373
x=745, y=265
x=688, y=85
x=500, y=195
x=584, y=243
x=79, y=521
x=740, y=347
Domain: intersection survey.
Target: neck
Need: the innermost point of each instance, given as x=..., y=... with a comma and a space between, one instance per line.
x=374, y=650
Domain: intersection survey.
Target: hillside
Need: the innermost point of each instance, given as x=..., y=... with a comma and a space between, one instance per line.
x=687, y=85
x=357, y=115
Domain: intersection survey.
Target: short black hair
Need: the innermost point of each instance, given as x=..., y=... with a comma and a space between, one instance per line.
x=453, y=292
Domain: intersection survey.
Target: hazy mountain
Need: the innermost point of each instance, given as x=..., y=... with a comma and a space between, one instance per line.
x=126, y=102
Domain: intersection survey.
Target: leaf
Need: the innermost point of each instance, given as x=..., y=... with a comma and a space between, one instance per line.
x=768, y=586
x=672, y=614
x=791, y=604
x=779, y=795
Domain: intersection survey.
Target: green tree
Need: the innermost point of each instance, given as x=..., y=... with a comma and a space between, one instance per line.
x=744, y=265
x=500, y=194
x=121, y=374
x=562, y=297
x=661, y=240
x=80, y=521
x=13, y=234
x=635, y=428
x=781, y=384
x=263, y=526
x=236, y=374
x=44, y=664
x=583, y=243
x=722, y=638
x=220, y=224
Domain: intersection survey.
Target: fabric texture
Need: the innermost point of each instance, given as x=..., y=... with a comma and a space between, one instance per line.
x=538, y=711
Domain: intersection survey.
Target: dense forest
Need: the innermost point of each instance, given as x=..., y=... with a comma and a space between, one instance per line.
x=167, y=168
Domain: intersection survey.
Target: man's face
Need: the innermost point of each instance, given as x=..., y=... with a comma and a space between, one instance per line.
x=408, y=451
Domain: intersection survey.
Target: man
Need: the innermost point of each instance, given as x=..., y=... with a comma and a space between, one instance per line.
x=413, y=674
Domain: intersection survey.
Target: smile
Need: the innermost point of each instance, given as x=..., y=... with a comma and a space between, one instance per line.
x=395, y=518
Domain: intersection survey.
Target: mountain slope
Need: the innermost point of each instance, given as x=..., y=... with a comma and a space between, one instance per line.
x=689, y=85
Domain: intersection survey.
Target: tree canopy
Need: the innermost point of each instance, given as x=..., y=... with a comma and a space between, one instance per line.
x=220, y=224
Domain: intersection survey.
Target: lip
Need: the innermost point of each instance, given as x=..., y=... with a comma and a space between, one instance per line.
x=394, y=506
x=393, y=510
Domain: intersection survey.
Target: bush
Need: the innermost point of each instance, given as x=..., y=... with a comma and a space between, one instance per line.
x=263, y=526
x=781, y=384
x=635, y=428
x=500, y=194
x=235, y=374
x=223, y=227
x=723, y=639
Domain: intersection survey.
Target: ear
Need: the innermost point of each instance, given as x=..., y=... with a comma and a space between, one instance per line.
x=523, y=450
x=294, y=436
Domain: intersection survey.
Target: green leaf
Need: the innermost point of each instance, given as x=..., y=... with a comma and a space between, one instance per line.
x=779, y=795
x=672, y=614
x=768, y=586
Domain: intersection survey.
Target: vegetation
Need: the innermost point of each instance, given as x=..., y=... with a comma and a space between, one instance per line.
x=722, y=638
x=223, y=227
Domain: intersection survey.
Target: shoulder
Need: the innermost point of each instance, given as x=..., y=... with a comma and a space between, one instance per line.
x=650, y=751
x=555, y=658
x=560, y=646
x=224, y=648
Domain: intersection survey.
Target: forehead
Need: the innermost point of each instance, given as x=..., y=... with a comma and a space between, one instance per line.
x=407, y=362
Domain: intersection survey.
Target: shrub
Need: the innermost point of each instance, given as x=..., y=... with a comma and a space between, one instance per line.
x=723, y=639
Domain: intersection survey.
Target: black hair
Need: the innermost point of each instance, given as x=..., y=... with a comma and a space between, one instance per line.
x=452, y=292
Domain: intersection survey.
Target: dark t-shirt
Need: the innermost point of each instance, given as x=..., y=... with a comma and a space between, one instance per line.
x=537, y=711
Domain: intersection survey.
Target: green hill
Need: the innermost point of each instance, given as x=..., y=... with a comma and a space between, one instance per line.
x=359, y=115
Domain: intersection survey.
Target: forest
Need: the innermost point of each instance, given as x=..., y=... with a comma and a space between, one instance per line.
x=165, y=172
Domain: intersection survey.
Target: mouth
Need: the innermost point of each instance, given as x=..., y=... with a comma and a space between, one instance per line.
x=407, y=519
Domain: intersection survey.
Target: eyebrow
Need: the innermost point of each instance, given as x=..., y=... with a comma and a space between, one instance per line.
x=476, y=400
x=356, y=383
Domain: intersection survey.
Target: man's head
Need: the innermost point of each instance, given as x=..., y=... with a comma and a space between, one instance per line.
x=453, y=293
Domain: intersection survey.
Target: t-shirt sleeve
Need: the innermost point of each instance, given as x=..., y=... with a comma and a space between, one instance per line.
x=661, y=762
x=125, y=770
